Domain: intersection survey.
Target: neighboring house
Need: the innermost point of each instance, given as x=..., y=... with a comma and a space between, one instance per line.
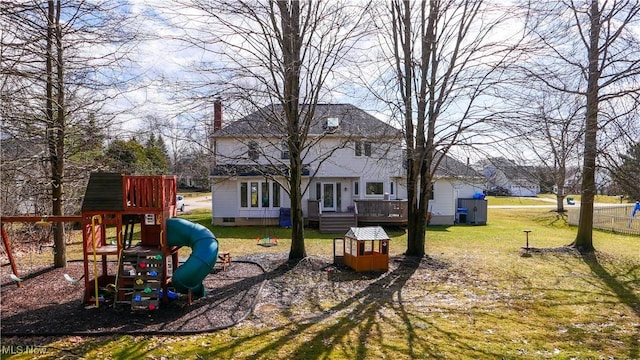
x=519, y=180
x=572, y=183
x=193, y=171
x=454, y=180
x=355, y=170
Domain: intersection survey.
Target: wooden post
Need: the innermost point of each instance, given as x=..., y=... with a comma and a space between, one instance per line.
x=7, y=247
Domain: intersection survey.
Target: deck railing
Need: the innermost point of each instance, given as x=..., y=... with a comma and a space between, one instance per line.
x=313, y=209
x=382, y=209
x=368, y=211
x=149, y=192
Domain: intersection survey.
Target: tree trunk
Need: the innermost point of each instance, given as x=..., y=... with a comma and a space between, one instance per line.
x=290, y=20
x=560, y=203
x=560, y=179
x=584, y=238
x=298, y=250
x=55, y=124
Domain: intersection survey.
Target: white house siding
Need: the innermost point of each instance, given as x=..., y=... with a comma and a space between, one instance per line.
x=346, y=190
x=226, y=210
x=346, y=168
x=531, y=190
x=383, y=165
x=442, y=206
x=468, y=188
x=447, y=191
x=345, y=163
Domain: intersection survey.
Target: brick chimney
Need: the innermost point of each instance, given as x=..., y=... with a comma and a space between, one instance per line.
x=217, y=114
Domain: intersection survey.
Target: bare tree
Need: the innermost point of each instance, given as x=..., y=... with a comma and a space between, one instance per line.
x=445, y=56
x=546, y=128
x=279, y=58
x=590, y=50
x=57, y=57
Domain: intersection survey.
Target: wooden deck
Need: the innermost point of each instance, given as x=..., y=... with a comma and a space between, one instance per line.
x=364, y=212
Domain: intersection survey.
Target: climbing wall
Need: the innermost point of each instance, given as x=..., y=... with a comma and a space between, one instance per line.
x=140, y=278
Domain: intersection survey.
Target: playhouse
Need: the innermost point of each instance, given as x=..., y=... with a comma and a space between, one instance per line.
x=363, y=249
x=113, y=206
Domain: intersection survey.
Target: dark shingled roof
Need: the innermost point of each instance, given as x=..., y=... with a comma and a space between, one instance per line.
x=227, y=170
x=104, y=192
x=351, y=121
x=450, y=167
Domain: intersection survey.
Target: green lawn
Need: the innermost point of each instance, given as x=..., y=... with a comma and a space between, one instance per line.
x=511, y=200
x=488, y=303
x=600, y=199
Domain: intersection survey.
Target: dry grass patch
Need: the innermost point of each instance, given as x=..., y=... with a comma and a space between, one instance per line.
x=474, y=297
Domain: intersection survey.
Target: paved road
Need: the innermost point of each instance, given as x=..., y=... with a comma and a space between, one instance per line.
x=204, y=202
x=551, y=205
x=193, y=203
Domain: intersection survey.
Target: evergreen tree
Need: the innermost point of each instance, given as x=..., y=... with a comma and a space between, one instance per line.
x=156, y=153
x=627, y=175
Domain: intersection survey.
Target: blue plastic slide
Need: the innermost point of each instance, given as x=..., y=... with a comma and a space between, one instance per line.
x=204, y=254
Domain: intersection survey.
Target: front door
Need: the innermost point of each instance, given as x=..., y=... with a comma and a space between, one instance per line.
x=328, y=197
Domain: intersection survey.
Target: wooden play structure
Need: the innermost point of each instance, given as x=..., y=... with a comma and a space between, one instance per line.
x=131, y=239
x=113, y=206
x=363, y=249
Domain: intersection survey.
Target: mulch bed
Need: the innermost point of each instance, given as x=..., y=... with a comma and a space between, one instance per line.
x=263, y=285
x=47, y=304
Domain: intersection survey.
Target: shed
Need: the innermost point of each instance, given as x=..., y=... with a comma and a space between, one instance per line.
x=366, y=249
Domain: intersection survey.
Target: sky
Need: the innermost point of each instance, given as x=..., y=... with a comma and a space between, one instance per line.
x=164, y=62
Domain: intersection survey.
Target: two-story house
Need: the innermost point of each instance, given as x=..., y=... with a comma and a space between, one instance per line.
x=353, y=169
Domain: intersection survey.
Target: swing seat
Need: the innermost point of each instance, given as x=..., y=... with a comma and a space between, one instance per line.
x=268, y=242
x=70, y=279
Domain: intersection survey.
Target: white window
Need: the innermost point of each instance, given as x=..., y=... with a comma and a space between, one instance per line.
x=252, y=151
x=375, y=188
x=259, y=194
x=284, y=151
x=359, y=146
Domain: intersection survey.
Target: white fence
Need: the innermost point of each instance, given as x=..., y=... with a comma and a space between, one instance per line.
x=616, y=218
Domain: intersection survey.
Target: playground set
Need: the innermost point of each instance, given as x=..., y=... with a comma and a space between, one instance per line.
x=148, y=272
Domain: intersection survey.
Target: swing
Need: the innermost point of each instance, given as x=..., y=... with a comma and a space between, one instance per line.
x=268, y=240
x=43, y=223
x=71, y=279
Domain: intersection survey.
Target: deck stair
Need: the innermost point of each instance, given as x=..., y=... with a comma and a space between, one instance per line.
x=336, y=223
